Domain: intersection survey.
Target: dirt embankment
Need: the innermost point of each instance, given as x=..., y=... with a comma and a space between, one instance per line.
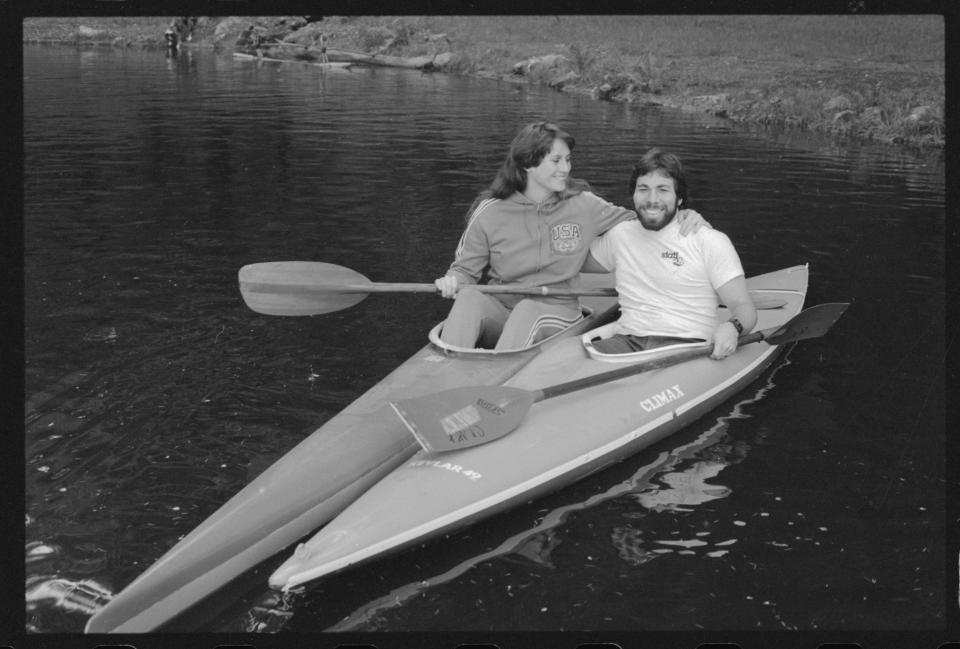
x=853, y=79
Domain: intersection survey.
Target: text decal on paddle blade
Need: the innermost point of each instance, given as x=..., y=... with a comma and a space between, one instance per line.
x=460, y=420
x=465, y=426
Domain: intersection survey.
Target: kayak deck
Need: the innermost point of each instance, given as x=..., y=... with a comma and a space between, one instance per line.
x=550, y=449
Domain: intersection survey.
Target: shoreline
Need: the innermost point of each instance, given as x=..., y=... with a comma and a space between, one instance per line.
x=892, y=98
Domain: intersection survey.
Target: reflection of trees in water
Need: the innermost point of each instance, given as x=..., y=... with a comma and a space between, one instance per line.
x=680, y=490
x=269, y=614
x=536, y=548
x=630, y=545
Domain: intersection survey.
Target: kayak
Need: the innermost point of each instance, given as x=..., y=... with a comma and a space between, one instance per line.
x=558, y=442
x=316, y=479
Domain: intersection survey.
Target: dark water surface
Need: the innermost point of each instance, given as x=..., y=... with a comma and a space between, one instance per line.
x=813, y=500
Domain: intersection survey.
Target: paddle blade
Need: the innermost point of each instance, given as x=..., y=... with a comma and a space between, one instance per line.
x=298, y=288
x=809, y=323
x=464, y=417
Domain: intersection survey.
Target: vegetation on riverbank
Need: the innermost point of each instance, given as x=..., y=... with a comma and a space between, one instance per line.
x=865, y=77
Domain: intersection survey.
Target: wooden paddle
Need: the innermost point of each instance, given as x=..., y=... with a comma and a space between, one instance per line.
x=464, y=417
x=298, y=288
x=313, y=287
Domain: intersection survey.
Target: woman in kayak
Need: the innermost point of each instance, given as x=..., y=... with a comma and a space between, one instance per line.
x=532, y=226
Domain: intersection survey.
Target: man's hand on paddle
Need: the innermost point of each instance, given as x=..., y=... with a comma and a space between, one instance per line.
x=737, y=298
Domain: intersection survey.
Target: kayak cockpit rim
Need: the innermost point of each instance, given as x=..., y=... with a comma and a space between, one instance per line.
x=610, y=329
x=586, y=314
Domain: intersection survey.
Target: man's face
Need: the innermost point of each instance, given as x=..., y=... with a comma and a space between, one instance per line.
x=655, y=197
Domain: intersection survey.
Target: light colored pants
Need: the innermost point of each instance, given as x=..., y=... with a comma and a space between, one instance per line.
x=628, y=343
x=480, y=320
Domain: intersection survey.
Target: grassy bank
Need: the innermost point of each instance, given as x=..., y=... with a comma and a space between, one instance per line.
x=876, y=78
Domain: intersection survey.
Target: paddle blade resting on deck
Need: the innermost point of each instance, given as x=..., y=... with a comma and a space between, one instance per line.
x=464, y=417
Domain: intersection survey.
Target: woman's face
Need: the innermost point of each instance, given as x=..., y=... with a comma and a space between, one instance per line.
x=551, y=174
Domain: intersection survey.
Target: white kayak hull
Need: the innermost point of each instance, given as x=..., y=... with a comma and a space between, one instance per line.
x=560, y=441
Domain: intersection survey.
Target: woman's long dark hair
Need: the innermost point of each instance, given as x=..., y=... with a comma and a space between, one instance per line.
x=528, y=149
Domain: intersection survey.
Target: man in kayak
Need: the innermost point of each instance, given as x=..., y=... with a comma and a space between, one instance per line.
x=669, y=285
x=533, y=226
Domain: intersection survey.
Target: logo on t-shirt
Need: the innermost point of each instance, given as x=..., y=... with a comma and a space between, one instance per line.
x=675, y=256
x=566, y=238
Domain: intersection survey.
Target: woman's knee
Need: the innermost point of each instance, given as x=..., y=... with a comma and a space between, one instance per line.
x=531, y=321
x=473, y=317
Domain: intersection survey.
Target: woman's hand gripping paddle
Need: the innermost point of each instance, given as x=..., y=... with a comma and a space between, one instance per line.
x=464, y=417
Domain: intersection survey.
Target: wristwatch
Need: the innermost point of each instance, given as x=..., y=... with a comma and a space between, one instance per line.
x=737, y=325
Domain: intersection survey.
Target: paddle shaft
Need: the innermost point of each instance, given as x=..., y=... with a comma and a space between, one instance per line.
x=301, y=288
x=760, y=302
x=396, y=287
x=655, y=364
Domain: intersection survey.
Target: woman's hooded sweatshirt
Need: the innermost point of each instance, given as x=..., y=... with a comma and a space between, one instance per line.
x=535, y=244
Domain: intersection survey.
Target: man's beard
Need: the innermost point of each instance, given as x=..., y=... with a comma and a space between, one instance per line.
x=668, y=217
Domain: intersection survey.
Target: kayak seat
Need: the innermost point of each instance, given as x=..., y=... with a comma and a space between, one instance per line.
x=606, y=331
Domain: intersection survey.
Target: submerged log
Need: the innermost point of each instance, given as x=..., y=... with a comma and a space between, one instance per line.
x=415, y=62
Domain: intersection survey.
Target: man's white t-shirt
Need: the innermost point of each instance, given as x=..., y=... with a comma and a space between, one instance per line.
x=667, y=283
